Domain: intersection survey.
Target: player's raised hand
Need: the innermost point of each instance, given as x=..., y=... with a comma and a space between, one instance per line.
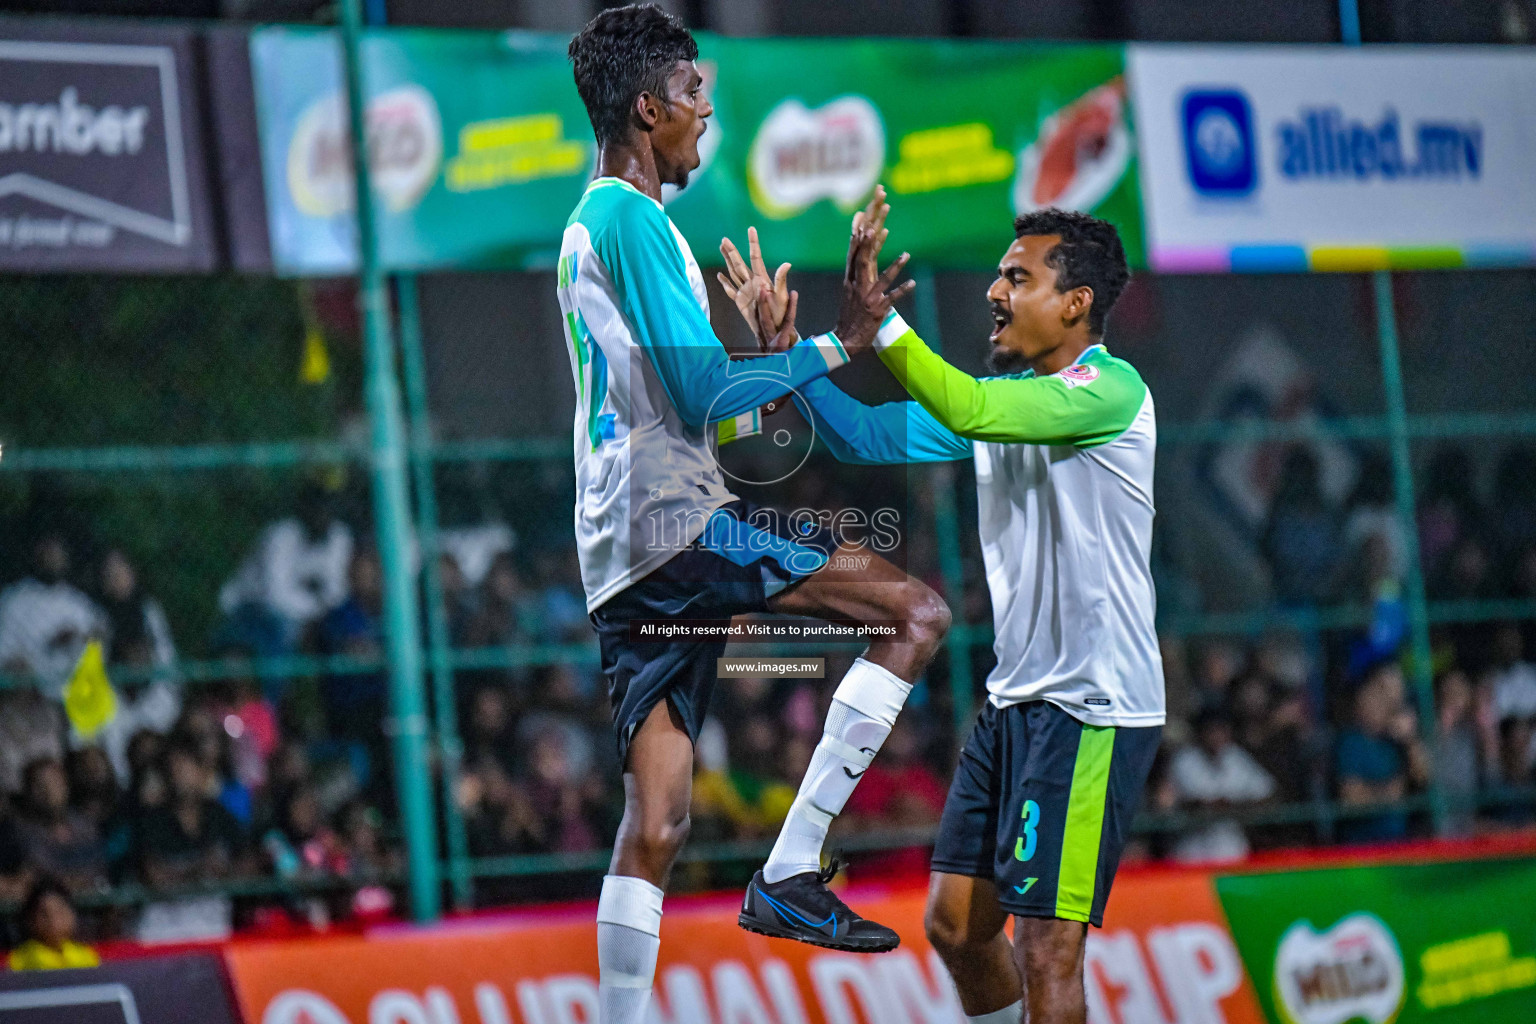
x=780, y=337
x=743, y=282
x=867, y=301
x=873, y=217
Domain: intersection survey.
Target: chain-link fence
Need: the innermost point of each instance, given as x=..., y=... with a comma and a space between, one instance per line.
x=184, y=484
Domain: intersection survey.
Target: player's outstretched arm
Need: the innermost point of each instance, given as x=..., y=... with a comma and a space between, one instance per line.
x=704, y=384
x=888, y=434
x=1091, y=409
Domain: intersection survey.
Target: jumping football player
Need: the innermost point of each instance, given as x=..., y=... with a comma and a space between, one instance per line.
x=661, y=537
x=1063, y=441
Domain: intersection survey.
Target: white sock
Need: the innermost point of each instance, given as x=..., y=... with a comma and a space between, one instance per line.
x=864, y=708
x=628, y=938
x=1007, y=1015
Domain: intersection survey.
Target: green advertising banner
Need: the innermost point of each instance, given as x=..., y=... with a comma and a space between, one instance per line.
x=964, y=136
x=480, y=146
x=1441, y=943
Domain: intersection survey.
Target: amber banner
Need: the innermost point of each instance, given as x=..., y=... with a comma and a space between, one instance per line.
x=1165, y=956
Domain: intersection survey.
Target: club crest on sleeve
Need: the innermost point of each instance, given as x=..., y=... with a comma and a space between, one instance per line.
x=1077, y=376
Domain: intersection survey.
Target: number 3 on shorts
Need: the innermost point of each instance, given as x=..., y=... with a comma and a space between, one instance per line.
x=1024, y=848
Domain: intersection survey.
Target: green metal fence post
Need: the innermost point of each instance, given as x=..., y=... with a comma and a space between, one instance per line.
x=392, y=512
x=946, y=525
x=449, y=746
x=1421, y=670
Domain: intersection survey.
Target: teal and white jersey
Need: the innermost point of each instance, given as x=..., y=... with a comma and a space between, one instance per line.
x=655, y=389
x=1064, y=495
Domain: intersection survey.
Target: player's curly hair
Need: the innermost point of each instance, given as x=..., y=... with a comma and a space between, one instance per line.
x=620, y=54
x=1089, y=254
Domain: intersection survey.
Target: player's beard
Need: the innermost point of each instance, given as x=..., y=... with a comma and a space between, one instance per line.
x=1006, y=360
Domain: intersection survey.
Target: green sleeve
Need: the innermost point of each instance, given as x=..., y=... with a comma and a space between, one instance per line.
x=1089, y=404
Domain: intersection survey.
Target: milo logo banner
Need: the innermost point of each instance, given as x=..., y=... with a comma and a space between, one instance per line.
x=964, y=135
x=1443, y=943
x=480, y=147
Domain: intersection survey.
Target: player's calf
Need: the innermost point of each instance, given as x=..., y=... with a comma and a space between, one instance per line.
x=1049, y=954
x=964, y=924
x=658, y=782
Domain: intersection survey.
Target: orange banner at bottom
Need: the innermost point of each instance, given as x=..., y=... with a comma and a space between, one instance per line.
x=1165, y=956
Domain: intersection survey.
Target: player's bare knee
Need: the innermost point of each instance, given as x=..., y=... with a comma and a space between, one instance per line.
x=949, y=931
x=660, y=838
x=946, y=935
x=927, y=616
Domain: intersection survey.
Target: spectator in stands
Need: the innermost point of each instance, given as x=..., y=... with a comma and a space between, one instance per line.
x=296, y=572
x=1214, y=773
x=1271, y=723
x=498, y=818
x=45, y=621
x=461, y=602
x=562, y=612
x=191, y=837
x=146, y=786
x=1380, y=757
x=1466, y=747
x=31, y=727
x=507, y=608
x=1466, y=571
x=1516, y=769
x=1373, y=535
x=301, y=843
x=718, y=811
x=15, y=873
x=568, y=703
x=355, y=702
x=488, y=728
x=1217, y=664
x=366, y=860
x=93, y=789
x=1513, y=679
x=140, y=640
x=50, y=923
x=202, y=728
x=58, y=841
x=567, y=802
x=1302, y=538
x=1448, y=507
x=139, y=631
x=360, y=830
x=246, y=717
x=1514, y=500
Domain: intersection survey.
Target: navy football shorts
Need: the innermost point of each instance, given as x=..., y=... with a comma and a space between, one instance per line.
x=1041, y=805
x=745, y=555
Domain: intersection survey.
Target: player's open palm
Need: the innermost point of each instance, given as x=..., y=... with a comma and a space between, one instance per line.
x=744, y=280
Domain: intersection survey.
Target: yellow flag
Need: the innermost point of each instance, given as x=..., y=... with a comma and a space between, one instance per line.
x=316, y=368
x=88, y=698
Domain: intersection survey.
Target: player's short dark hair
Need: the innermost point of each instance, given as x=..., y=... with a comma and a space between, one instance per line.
x=620, y=54
x=1089, y=254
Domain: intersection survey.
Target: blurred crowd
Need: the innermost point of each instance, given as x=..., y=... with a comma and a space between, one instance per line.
x=260, y=768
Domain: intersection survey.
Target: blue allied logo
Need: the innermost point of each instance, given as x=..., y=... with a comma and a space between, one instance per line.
x=1219, y=149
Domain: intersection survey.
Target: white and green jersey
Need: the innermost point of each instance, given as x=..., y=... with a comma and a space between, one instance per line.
x=1064, y=492
x=655, y=389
